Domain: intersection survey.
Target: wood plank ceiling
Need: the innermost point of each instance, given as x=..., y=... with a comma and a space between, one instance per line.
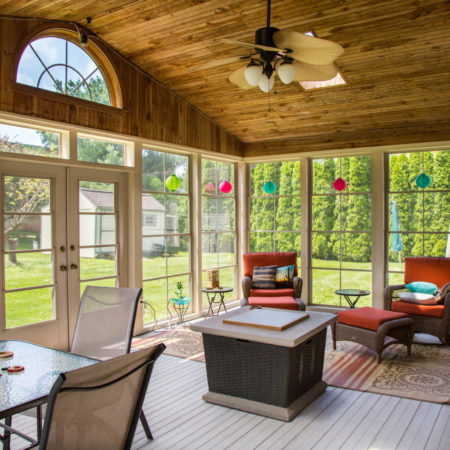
x=396, y=63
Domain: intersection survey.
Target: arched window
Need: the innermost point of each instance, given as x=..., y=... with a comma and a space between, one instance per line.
x=60, y=65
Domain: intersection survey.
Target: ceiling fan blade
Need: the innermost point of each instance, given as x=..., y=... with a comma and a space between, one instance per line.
x=246, y=44
x=308, y=49
x=217, y=63
x=312, y=72
x=237, y=77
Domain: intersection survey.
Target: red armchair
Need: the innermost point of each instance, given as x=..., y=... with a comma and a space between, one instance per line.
x=431, y=319
x=287, y=298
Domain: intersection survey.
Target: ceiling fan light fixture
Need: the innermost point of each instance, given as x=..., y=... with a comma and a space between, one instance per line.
x=253, y=73
x=266, y=84
x=286, y=72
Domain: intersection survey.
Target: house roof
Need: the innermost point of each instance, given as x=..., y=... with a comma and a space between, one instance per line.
x=105, y=199
x=396, y=65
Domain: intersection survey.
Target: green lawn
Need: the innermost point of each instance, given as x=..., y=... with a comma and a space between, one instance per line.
x=35, y=269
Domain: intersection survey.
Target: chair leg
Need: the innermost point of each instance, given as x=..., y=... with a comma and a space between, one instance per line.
x=333, y=334
x=39, y=422
x=144, y=422
x=6, y=438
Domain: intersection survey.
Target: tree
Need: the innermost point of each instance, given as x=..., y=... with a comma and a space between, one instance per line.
x=358, y=247
x=94, y=90
x=285, y=212
x=439, y=218
x=400, y=183
x=262, y=208
x=324, y=211
x=22, y=194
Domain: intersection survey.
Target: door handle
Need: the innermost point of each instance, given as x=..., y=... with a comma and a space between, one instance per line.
x=62, y=268
x=73, y=266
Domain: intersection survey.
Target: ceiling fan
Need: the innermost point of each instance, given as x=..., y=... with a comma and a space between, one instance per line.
x=291, y=55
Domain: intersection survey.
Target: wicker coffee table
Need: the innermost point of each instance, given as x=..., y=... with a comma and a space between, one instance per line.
x=271, y=373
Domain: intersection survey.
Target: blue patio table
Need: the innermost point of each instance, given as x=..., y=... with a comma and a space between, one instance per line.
x=30, y=388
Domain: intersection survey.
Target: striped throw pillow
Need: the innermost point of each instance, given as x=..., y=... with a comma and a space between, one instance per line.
x=264, y=277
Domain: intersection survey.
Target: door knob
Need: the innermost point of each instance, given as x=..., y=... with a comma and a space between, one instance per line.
x=62, y=268
x=73, y=266
x=72, y=247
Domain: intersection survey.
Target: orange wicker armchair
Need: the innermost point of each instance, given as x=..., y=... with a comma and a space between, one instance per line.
x=431, y=319
x=287, y=298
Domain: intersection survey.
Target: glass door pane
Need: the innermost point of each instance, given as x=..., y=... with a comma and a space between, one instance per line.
x=95, y=233
x=33, y=266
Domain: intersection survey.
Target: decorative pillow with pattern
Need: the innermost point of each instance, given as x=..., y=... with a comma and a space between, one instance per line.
x=285, y=277
x=264, y=277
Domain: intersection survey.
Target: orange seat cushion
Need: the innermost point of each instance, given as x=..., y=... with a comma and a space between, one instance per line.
x=288, y=292
x=274, y=302
x=418, y=310
x=367, y=317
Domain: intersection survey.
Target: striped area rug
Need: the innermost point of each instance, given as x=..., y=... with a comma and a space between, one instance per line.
x=425, y=377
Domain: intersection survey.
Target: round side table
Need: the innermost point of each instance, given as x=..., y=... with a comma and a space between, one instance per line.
x=347, y=293
x=212, y=294
x=180, y=305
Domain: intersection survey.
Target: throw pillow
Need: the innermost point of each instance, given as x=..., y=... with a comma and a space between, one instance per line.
x=264, y=277
x=285, y=276
x=444, y=291
x=418, y=298
x=422, y=286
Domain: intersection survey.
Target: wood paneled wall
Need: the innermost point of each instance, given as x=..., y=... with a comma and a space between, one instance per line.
x=150, y=110
x=427, y=132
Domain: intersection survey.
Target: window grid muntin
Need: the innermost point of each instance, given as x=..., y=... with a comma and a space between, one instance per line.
x=276, y=198
x=413, y=190
x=66, y=65
x=165, y=193
x=341, y=232
x=217, y=195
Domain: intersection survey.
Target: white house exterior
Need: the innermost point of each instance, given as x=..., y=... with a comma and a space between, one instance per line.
x=99, y=229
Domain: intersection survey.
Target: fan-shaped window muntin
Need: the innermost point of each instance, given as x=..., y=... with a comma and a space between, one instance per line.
x=59, y=65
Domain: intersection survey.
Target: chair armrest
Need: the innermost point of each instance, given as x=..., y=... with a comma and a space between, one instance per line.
x=298, y=284
x=244, y=302
x=389, y=292
x=246, y=284
x=446, y=301
x=301, y=304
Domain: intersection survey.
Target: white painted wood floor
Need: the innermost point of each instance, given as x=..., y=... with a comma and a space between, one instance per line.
x=338, y=419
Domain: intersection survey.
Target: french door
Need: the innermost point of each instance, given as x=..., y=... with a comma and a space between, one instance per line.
x=60, y=230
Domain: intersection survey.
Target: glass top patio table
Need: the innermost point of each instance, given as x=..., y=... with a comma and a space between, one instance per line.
x=347, y=293
x=24, y=390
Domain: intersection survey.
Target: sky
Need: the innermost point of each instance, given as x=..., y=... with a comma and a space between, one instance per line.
x=52, y=52
x=20, y=134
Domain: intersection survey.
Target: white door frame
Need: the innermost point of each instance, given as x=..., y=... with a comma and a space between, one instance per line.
x=51, y=332
x=74, y=175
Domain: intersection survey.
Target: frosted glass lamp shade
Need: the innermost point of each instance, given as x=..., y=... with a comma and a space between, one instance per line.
x=286, y=72
x=253, y=74
x=266, y=84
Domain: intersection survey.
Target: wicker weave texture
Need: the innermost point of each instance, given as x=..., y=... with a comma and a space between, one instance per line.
x=263, y=372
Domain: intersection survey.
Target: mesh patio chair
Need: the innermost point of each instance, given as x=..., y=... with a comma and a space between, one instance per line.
x=115, y=309
x=104, y=328
x=105, y=322
x=98, y=406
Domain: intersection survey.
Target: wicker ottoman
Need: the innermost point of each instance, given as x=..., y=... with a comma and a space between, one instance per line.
x=374, y=328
